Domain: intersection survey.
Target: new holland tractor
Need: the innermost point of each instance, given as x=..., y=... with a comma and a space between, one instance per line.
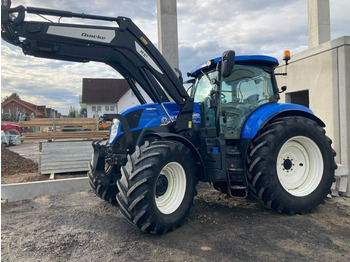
x=230, y=131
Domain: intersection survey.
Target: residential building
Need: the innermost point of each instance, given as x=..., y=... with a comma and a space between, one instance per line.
x=14, y=108
x=107, y=96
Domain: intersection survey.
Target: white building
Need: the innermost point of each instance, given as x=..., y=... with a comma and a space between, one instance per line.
x=108, y=96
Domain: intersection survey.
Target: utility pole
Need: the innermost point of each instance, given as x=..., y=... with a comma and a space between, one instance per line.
x=319, y=22
x=167, y=31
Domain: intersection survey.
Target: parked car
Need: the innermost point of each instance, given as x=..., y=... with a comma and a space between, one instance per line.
x=12, y=133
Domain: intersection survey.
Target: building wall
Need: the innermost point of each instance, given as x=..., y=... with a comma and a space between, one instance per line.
x=13, y=109
x=128, y=100
x=102, y=111
x=325, y=72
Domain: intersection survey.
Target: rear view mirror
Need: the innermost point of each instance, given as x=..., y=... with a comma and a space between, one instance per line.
x=227, y=63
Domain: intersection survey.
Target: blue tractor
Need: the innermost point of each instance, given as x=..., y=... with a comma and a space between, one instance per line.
x=230, y=131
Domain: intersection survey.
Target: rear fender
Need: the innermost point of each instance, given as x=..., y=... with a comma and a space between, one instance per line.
x=260, y=117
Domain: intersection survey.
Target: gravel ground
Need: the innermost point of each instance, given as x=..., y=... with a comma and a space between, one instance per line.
x=81, y=227
x=27, y=149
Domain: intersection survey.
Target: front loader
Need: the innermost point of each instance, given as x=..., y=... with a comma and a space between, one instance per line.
x=230, y=131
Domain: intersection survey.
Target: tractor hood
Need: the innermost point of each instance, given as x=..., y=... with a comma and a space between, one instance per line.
x=153, y=115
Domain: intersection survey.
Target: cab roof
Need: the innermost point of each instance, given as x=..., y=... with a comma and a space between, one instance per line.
x=254, y=59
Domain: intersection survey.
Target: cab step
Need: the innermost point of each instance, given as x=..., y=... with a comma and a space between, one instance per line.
x=237, y=183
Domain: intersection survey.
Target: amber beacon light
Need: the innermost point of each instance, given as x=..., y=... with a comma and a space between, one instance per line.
x=286, y=55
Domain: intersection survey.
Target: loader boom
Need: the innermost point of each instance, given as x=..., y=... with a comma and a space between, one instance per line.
x=125, y=48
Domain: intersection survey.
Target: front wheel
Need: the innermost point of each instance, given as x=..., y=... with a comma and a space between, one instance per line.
x=157, y=186
x=103, y=183
x=290, y=165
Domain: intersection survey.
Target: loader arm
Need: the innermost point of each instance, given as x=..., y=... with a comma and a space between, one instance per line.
x=125, y=48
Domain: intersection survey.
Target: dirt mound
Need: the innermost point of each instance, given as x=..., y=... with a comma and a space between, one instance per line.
x=18, y=169
x=13, y=163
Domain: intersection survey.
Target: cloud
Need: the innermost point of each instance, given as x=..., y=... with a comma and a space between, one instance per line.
x=58, y=84
x=248, y=27
x=206, y=29
x=40, y=81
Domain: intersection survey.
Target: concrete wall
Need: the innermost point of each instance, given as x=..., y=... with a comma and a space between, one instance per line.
x=319, y=22
x=325, y=71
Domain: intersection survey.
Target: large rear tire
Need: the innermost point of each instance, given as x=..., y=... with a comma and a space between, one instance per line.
x=290, y=165
x=157, y=187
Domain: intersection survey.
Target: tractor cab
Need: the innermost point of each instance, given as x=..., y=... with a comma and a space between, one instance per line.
x=229, y=94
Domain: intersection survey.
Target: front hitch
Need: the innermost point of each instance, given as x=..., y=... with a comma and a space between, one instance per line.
x=100, y=171
x=102, y=176
x=98, y=157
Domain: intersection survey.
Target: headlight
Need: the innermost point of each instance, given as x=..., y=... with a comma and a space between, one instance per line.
x=114, y=130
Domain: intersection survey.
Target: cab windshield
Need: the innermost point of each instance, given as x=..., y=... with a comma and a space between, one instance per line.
x=202, y=92
x=203, y=87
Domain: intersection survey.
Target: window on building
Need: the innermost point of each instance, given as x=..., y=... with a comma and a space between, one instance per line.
x=300, y=98
x=93, y=108
x=111, y=108
x=98, y=108
x=106, y=108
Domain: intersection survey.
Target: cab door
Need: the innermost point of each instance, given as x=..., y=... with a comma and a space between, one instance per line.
x=247, y=88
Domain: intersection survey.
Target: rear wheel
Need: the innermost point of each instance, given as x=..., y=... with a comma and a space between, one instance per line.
x=157, y=186
x=291, y=165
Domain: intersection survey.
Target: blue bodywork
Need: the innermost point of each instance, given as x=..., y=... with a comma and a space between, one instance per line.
x=153, y=115
x=264, y=113
x=242, y=58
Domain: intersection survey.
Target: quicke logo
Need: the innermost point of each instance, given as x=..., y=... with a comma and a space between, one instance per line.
x=93, y=36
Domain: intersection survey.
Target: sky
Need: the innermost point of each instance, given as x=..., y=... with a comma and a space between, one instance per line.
x=206, y=28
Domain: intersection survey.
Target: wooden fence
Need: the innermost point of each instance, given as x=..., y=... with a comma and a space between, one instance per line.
x=91, y=123
x=76, y=135
x=77, y=124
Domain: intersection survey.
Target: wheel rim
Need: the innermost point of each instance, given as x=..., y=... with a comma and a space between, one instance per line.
x=299, y=166
x=12, y=133
x=170, y=188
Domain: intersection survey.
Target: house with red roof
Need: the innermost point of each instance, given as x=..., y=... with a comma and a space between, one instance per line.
x=13, y=107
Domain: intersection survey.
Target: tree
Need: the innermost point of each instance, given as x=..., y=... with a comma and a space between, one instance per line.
x=83, y=112
x=13, y=95
x=72, y=112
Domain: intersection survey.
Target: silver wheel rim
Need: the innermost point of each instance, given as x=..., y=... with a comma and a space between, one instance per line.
x=169, y=200
x=300, y=166
x=12, y=132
